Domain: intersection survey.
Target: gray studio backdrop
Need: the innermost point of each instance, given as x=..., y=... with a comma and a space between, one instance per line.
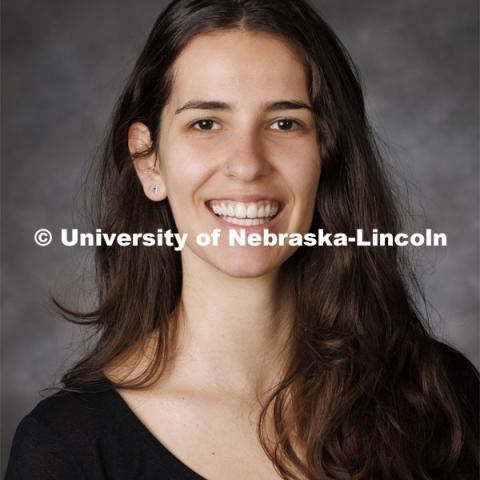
x=63, y=64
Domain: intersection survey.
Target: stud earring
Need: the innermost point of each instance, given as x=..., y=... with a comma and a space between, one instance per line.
x=156, y=188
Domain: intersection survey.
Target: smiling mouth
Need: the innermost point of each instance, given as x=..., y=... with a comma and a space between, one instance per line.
x=245, y=213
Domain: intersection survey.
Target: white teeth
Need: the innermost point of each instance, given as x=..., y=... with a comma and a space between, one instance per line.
x=252, y=211
x=245, y=221
x=263, y=209
x=240, y=210
x=245, y=214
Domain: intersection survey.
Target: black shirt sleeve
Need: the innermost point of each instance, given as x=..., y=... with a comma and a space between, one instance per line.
x=39, y=454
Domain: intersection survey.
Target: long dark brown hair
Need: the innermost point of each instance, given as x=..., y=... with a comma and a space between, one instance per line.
x=366, y=388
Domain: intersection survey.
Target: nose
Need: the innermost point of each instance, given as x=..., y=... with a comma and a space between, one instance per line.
x=247, y=159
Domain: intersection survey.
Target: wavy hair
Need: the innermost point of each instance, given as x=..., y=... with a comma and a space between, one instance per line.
x=366, y=394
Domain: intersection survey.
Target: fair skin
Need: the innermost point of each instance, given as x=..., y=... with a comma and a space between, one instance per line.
x=236, y=311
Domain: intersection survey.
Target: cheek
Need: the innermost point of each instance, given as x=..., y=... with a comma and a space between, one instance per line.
x=302, y=172
x=185, y=171
x=310, y=183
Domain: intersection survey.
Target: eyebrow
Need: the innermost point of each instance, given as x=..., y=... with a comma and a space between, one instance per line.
x=269, y=107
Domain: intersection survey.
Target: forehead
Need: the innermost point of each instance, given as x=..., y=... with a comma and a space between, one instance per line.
x=237, y=64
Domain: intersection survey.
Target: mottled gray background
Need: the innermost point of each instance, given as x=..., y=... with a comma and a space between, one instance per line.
x=63, y=64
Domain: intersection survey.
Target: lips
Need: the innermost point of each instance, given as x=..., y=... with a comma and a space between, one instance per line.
x=256, y=211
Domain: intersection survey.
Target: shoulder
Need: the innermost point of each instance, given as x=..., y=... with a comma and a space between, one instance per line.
x=86, y=414
x=463, y=375
x=59, y=435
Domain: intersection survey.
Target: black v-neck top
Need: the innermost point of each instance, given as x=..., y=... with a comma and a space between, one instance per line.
x=74, y=436
x=80, y=436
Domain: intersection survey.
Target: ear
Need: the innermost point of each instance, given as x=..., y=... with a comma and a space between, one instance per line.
x=148, y=173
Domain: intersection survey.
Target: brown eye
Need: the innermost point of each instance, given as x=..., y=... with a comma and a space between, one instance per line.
x=204, y=124
x=286, y=124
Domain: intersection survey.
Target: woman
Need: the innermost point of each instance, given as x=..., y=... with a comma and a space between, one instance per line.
x=230, y=362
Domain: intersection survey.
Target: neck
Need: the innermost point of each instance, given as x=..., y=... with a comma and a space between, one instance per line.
x=233, y=332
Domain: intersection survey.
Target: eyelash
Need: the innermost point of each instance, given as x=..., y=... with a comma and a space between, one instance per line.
x=299, y=125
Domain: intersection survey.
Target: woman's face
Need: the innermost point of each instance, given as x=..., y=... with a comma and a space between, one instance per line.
x=238, y=130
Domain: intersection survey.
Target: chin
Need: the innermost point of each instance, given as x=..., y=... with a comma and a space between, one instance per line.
x=246, y=266
x=243, y=272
